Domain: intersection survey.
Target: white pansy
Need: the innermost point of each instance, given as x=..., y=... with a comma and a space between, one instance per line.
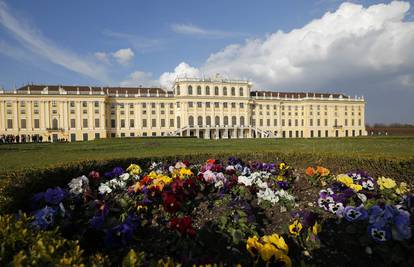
x=77, y=185
x=104, y=189
x=219, y=184
x=209, y=176
x=124, y=177
x=244, y=180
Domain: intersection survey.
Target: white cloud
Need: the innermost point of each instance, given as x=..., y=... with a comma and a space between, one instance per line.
x=140, y=44
x=102, y=56
x=32, y=40
x=340, y=47
x=138, y=78
x=182, y=70
x=123, y=56
x=190, y=29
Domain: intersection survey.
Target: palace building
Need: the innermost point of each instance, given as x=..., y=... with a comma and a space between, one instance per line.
x=205, y=108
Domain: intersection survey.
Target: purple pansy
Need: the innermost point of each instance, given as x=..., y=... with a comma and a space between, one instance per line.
x=54, y=196
x=353, y=214
x=44, y=218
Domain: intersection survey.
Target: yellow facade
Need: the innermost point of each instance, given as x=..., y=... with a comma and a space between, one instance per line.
x=205, y=108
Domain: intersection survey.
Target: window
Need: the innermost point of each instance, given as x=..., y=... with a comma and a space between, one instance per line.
x=84, y=104
x=241, y=105
x=310, y=122
x=9, y=123
x=326, y=122
x=241, y=91
x=178, y=90
x=242, y=121
x=207, y=104
x=152, y=105
x=261, y=122
x=23, y=123
x=208, y=121
x=216, y=104
x=85, y=137
x=216, y=90
x=144, y=123
x=131, y=134
x=198, y=90
x=153, y=123
x=200, y=121
x=113, y=124
x=97, y=123
x=171, y=122
x=268, y=122
x=178, y=122
x=144, y=105
x=190, y=104
x=190, y=90
x=217, y=120
x=54, y=103
x=199, y=104
x=225, y=105
x=207, y=90
x=233, y=91
x=226, y=120
x=131, y=123
x=224, y=90
x=233, y=105
x=85, y=123
x=36, y=104
x=233, y=120
x=162, y=122
x=72, y=137
x=72, y=123
x=275, y=122
x=96, y=104
x=97, y=136
x=122, y=123
x=191, y=121
x=36, y=124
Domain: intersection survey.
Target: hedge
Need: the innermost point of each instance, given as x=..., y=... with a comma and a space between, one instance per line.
x=16, y=188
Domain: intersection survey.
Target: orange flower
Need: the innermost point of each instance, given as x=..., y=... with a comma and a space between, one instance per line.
x=310, y=171
x=322, y=171
x=211, y=161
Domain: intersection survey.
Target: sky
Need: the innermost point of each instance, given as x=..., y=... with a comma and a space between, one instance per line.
x=363, y=48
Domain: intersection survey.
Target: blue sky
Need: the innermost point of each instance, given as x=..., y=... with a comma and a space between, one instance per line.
x=136, y=42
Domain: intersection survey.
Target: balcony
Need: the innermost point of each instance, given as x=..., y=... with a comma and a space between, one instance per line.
x=55, y=129
x=337, y=126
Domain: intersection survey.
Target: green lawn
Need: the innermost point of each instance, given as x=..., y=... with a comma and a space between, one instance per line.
x=19, y=156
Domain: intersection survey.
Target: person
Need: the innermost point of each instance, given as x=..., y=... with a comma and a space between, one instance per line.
x=17, y=138
x=41, y=139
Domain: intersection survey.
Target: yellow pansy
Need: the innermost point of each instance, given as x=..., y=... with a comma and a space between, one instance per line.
x=280, y=178
x=276, y=240
x=185, y=172
x=134, y=169
x=295, y=228
x=268, y=251
x=402, y=189
x=316, y=228
x=345, y=179
x=356, y=187
x=386, y=183
x=253, y=245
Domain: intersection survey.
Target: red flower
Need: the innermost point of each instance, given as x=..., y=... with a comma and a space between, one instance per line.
x=186, y=163
x=170, y=202
x=183, y=226
x=94, y=176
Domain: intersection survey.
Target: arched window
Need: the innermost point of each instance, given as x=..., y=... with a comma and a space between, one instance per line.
x=178, y=90
x=217, y=120
x=200, y=121
x=242, y=121
x=190, y=90
x=216, y=90
x=208, y=121
x=224, y=90
x=241, y=91
x=233, y=121
x=233, y=91
x=178, y=122
x=198, y=90
x=191, y=121
x=207, y=90
x=226, y=120
x=54, y=123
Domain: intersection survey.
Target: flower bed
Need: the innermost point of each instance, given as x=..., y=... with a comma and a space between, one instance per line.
x=229, y=212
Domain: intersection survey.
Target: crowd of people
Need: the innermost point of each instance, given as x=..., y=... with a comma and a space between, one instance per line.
x=10, y=138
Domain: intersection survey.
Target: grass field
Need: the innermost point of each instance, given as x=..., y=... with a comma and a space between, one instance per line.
x=20, y=156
